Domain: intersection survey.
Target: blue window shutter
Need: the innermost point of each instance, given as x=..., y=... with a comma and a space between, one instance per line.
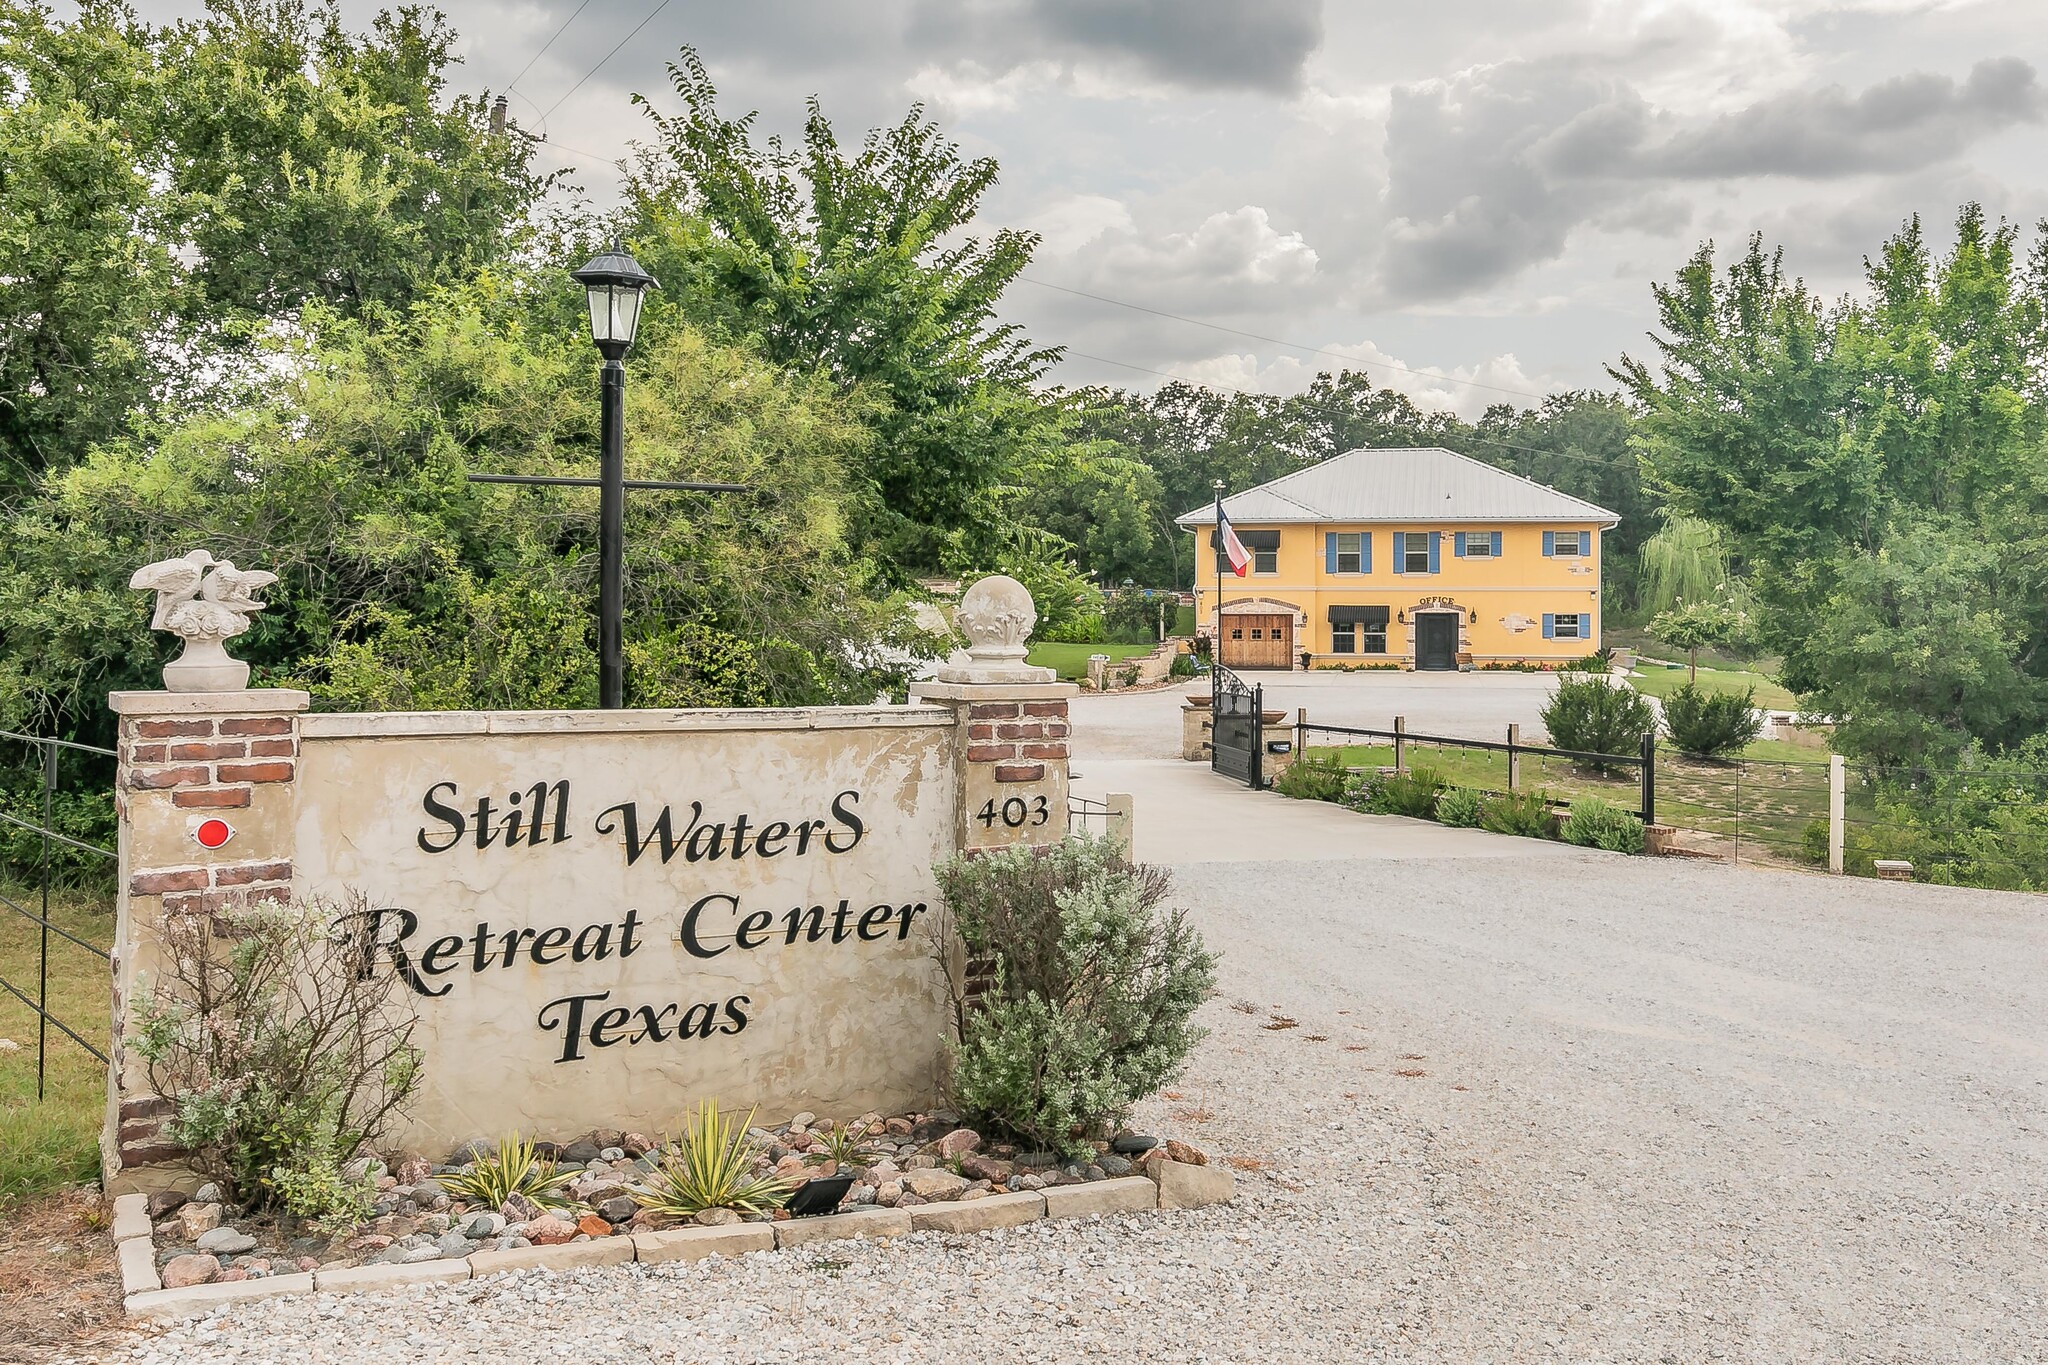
x=1400, y=552
x=1458, y=545
x=1549, y=544
x=1436, y=545
x=1365, y=552
x=1329, y=552
x=1496, y=544
x=1549, y=622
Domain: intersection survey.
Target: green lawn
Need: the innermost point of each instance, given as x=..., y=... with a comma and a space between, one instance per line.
x=1071, y=661
x=1660, y=682
x=46, y=1145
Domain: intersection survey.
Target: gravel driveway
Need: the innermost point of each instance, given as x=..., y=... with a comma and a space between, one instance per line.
x=1583, y=1109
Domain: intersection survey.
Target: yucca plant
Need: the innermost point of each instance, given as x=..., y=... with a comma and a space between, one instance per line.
x=843, y=1144
x=710, y=1165
x=514, y=1169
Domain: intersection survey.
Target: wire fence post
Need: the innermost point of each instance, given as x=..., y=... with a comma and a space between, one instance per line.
x=1400, y=744
x=1735, y=824
x=1514, y=757
x=1649, y=792
x=1838, y=801
x=49, y=766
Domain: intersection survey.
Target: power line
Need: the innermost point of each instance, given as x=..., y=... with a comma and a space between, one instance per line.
x=546, y=45
x=1277, y=341
x=1335, y=410
x=609, y=55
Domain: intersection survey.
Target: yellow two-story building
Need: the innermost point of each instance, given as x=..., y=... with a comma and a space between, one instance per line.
x=1421, y=558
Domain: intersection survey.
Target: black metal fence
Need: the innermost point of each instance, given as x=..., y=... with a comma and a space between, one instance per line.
x=1502, y=766
x=51, y=851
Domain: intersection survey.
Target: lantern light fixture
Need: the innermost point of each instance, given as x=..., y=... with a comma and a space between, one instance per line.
x=614, y=283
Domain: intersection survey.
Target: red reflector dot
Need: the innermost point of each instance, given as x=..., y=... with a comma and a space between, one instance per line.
x=213, y=833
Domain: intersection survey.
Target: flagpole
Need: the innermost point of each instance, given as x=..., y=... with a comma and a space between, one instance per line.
x=1216, y=540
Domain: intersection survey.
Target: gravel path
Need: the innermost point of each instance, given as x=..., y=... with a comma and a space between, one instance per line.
x=1584, y=1109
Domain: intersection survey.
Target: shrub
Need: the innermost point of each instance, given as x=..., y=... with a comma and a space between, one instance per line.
x=323, y=1194
x=1183, y=666
x=1315, y=777
x=1459, y=806
x=711, y=1166
x=1411, y=793
x=280, y=1057
x=1592, y=717
x=1596, y=823
x=1708, y=724
x=1523, y=813
x=1129, y=617
x=514, y=1168
x=1093, y=988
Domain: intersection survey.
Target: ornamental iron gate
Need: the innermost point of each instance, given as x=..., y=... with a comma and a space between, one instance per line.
x=1234, y=728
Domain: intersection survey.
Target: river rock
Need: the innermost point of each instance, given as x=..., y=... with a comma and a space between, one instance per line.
x=185, y=1271
x=226, y=1241
x=1184, y=1154
x=934, y=1184
x=717, y=1218
x=197, y=1219
x=959, y=1142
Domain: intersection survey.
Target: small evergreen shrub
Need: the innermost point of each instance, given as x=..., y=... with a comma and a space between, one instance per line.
x=1523, y=813
x=1093, y=992
x=1592, y=717
x=1411, y=793
x=1596, y=823
x=1183, y=666
x=1129, y=617
x=1314, y=777
x=1459, y=806
x=1709, y=724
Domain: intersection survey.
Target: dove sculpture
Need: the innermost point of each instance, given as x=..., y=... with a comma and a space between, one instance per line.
x=203, y=601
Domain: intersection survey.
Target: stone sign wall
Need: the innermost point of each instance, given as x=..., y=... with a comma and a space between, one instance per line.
x=601, y=917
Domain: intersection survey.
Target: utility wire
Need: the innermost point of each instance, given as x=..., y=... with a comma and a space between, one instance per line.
x=1277, y=341
x=1334, y=410
x=609, y=55
x=546, y=45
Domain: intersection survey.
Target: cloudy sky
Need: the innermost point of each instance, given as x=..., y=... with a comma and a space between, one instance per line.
x=1479, y=190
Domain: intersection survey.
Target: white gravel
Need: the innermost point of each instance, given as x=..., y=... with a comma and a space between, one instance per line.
x=1669, y=1113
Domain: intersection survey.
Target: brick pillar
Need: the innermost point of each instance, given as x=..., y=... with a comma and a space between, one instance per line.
x=1011, y=739
x=186, y=758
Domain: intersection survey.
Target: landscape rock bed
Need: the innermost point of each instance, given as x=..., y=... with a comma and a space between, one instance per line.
x=185, y=1254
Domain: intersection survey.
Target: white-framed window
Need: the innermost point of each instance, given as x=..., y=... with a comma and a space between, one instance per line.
x=1266, y=558
x=1350, y=556
x=1479, y=545
x=1372, y=639
x=1570, y=544
x=1415, y=553
x=1568, y=625
x=1344, y=638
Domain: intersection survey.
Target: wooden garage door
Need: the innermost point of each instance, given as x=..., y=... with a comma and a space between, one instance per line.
x=1265, y=641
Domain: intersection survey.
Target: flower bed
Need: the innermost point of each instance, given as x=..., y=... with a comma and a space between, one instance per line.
x=912, y=1171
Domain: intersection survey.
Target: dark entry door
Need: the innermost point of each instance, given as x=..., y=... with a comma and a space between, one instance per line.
x=1436, y=640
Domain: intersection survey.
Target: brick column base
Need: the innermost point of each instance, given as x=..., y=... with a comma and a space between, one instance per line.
x=1011, y=742
x=187, y=759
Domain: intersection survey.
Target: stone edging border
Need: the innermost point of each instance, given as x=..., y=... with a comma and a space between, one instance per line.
x=1166, y=1185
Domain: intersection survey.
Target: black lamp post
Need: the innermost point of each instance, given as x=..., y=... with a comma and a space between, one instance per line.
x=614, y=282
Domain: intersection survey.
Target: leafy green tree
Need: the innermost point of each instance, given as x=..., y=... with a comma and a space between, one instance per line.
x=857, y=265
x=86, y=234
x=1925, y=646
x=1694, y=626
x=403, y=586
x=313, y=163
x=1870, y=461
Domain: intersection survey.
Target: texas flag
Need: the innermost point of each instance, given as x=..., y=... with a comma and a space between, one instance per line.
x=1240, y=558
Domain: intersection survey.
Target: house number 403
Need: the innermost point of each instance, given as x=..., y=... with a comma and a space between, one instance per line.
x=1015, y=812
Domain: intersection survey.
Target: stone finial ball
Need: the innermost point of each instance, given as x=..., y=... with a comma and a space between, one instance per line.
x=996, y=615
